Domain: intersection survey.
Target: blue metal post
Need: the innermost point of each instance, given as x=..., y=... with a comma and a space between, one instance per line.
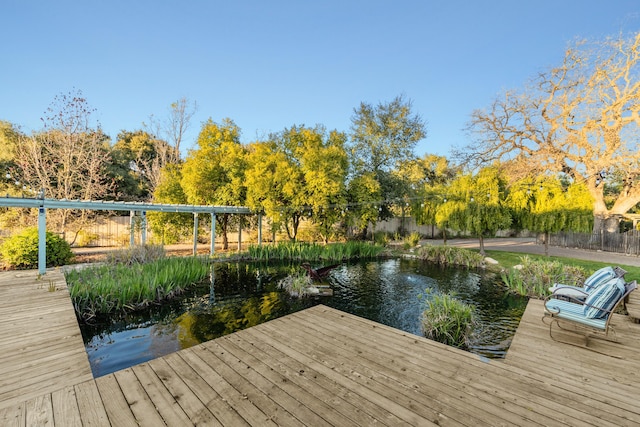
x=42, y=241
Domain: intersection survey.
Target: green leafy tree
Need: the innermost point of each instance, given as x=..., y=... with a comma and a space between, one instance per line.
x=428, y=177
x=476, y=204
x=383, y=137
x=548, y=205
x=299, y=173
x=214, y=172
x=10, y=175
x=134, y=162
x=170, y=226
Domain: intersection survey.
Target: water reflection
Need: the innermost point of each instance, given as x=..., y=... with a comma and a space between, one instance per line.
x=240, y=295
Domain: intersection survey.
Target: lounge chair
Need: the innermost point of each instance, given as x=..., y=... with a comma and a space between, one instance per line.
x=574, y=293
x=591, y=318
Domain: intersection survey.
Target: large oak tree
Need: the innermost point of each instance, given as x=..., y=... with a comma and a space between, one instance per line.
x=579, y=120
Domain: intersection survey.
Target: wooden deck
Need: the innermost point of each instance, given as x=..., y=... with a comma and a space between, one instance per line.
x=41, y=348
x=322, y=367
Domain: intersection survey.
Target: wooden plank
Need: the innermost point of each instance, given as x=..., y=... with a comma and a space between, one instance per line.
x=65, y=407
x=13, y=416
x=41, y=348
x=90, y=404
x=247, y=409
x=388, y=374
x=39, y=411
x=309, y=396
x=217, y=405
x=166, y=405
x=303, y=413
x=352, y=381
x=246, y=389
x=540, y=387
x=115, y=405
x=359, y=411
x=143, y=409
x=196, y=410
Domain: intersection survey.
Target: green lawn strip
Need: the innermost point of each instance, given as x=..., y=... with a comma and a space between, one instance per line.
x=509, y=259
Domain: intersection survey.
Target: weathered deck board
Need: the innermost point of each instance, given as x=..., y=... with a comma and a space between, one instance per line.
x=41, y=348
x=315, y=367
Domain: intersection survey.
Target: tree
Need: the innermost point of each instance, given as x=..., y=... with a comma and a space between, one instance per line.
x=135, y=165
x=580, y=119
x=547, y=205
x=299, y=173
x=10, y=175
x=475, y=204
x=170, y=226
x=213, y=173
x=429, y=175
x=168, y=135
x=68, y=159
x=382, y=138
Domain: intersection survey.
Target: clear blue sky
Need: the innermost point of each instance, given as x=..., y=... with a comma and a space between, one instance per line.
x=272, y=64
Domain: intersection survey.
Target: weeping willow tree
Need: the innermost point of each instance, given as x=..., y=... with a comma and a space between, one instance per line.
x=549, y=205
x=475, y=204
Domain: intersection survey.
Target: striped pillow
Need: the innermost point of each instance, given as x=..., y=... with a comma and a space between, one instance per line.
x=598, y=278
x=603, y=299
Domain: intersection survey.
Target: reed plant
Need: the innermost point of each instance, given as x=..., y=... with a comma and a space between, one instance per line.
x=533, y=278
x=448, y=320
x=335, y=252
x=450, y=255
x=120, y=287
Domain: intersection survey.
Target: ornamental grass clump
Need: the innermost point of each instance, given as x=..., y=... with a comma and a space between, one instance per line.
x=533, y=278
x=297, y=285
x=448, y=320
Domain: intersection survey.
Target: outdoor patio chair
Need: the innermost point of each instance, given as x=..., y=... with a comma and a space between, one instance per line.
x=592, y=318
x=579, y=294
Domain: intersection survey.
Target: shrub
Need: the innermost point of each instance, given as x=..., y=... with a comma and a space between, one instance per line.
x=21, y=250
x=136, y=254
x=448, y=320
x=413, y=239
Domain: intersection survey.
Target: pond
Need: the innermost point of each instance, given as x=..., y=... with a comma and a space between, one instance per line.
x=390, y=291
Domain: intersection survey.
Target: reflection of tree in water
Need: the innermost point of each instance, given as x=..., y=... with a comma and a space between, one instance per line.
x=229, y=316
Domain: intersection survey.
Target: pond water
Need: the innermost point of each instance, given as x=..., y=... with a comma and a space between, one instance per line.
x=391, y=291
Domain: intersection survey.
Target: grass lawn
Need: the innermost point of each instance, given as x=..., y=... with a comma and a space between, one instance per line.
x=509, y=259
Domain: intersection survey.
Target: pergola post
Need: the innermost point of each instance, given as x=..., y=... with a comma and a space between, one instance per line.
x=143, y=227
x=213, y=233
x=132, y=228
x=239, y=234
x=42, y=240
x=195, y=233
x=259, y=229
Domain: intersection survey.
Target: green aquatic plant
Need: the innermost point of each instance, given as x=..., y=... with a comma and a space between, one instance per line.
x=118, y=287
x=335, y=252
x=450, y=255
x=448, y=320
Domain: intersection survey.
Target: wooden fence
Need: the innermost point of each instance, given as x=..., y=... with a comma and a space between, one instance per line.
x=624, y=243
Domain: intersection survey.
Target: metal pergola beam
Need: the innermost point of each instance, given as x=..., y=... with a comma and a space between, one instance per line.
x=20, y=202
x=43, y=204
